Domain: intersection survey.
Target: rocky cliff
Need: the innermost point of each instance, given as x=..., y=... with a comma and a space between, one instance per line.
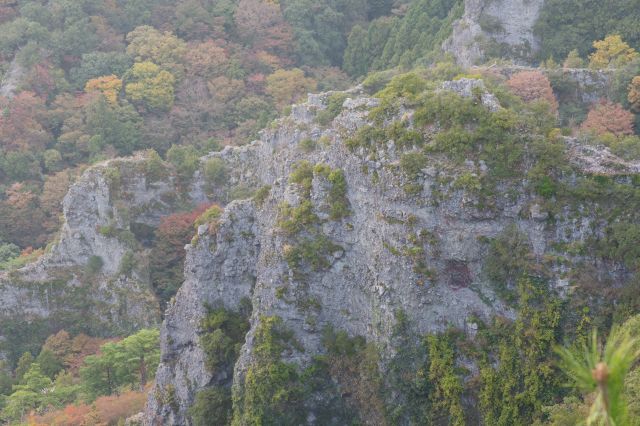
x=385, y=250
x=94, y=279
x=502, y=28
x=339, y=235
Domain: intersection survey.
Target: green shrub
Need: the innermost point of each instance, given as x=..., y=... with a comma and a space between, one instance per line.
x=295, y=219
x=155, y=169
x=448, y=109
x=215, y=172
x=311, y=251
x=307, y=145
x=546, y=187
x=240, y=192
x=127, y=263
x=517, y=373
x=339, y=343
x=627, y=148
x=273, y=393
x=447, y=389
x=412, y=189
x=114, y=178
x=403, y=137
x=412, y=164
x=469, y=182
x=508, y=259
x=621, y=243
x=94, y=265
x=211, y=215
x=212, y=406
x=334, y=107
x=185, y=160
x=302, y=174
x=366, y=137
x=338, y=195
x=322, y=169
x=376, y=81
x=222, y=335
x=8, y=251
x=261, y=194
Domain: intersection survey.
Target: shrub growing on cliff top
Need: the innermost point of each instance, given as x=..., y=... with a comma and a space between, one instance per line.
x=334, y=107
x=185, y=160
x=209, y=216
x=215, y=172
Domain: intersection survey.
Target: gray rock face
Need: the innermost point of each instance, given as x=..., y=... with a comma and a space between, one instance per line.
x=504, y=23
x=467, y=87
x=367, y=278
x=58, y=292
x=11, y=79
x=368, y=274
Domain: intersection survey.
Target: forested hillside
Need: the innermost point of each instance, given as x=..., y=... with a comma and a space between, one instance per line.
x=411, y=247
x=89, y=80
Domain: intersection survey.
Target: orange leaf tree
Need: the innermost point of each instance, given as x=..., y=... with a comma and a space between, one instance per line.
x=108, y=85
x=608, y=117
x=532, y=86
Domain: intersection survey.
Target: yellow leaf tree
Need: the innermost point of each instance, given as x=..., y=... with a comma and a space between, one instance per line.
x=162, y=48
x=612, y=52
x=109, y=85
x=150, y=86
x=287, y=86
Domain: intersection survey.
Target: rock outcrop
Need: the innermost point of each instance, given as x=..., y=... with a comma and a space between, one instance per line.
x=79, y=283
x=367, y=272
x=502, y=26
x=11, y=79
x=381, y=243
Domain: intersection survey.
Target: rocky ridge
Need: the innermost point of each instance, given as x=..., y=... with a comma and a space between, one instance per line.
x=366, y=275
x=367, y=271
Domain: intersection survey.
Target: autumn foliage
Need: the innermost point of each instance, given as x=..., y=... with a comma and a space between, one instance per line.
x=612, y=52
x=23, y=123
x=73, y=350
x=109, y=86
x=106, y=410
x=288, y=86
x=167, y=257
x=532, y=86
x=608, y=117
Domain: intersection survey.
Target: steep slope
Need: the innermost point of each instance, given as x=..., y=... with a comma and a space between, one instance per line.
x=347, y=239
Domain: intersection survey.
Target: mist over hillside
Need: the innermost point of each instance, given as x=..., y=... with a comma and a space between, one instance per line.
x=292, y=212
